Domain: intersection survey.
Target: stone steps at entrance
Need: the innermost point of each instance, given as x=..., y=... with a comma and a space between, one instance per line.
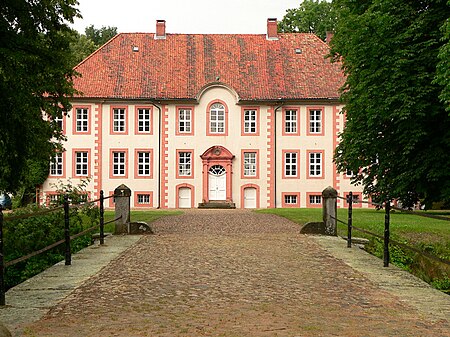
x=219, y=204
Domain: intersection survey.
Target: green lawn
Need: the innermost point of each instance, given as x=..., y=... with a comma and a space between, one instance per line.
x=403, y=226
x=146, y=216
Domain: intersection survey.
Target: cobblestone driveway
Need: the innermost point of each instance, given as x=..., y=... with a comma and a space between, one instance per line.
x=231, y=273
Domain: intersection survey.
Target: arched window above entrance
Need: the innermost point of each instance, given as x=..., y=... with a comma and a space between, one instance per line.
x=217, y=118
x=217, y=170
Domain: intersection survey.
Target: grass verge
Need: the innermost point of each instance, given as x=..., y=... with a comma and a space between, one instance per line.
x=146, y=216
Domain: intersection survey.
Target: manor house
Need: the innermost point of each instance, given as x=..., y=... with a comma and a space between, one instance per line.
x=249, y=120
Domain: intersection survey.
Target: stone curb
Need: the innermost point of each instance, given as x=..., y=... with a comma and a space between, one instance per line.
x=30, y=300
x=432, y=304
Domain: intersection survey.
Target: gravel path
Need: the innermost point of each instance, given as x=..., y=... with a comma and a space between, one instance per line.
x=231, y=273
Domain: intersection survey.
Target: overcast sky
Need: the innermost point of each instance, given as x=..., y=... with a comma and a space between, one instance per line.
x=183, y=16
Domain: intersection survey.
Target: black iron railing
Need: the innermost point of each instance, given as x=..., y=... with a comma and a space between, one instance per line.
x=67, y=237
x=386, y=237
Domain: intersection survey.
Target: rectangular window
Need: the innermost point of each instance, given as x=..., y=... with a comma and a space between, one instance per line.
x=349, y=173
x=290, y=199
x=143, y=120
x=355, y=198
x=315, y=199
x=56, y=166
x=315, y=164
x=143, y=199
x=53, y=199
x=81, y=120
x=60, y=123
x=250, y=164
x=185, y=120
x=290, y=121
x=290, y=164
x=119, y=120
x=250, y=121
x=119, y=163
x=315, y=121
x=81, y=163
x=184, y=164
x=143, y=164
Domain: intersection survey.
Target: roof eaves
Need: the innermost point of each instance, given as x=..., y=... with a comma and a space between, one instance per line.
x=289, y=100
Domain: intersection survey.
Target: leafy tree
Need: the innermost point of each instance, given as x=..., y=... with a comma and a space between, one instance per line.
x=443, y=70
x=313, y=16
x=35, y=173
x=397, y=134
x=100, y=36
x=81, y=47
x=35, y=82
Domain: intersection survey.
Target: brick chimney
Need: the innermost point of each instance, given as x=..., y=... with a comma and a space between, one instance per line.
x=160, y=29
x=272, y=29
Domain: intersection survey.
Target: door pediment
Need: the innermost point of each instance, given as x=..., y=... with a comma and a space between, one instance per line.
x=217, y=152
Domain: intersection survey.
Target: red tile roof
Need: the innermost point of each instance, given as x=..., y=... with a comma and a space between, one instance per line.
x=179, y=66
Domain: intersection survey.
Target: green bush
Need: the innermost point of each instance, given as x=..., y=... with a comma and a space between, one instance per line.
x=24, y=236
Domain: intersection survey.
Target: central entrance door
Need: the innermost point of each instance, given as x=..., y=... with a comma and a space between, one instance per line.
x=217, y=175
x=217, y=183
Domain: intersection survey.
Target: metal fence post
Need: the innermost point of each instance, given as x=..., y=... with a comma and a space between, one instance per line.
x=386, y=234
x=67, y=231
x=350, y=220
x=2, y=262
x=102, y=219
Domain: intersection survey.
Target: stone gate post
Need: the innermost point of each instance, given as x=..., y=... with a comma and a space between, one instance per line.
x=329, y=204
x=122, y=208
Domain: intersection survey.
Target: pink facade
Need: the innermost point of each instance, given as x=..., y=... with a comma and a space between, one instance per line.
x=218, y=140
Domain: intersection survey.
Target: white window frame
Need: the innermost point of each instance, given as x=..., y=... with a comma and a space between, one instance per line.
x=143, y=199
x=60, y=123
x=349, y=173
x=315, y=164
x=290, y=164
x=291, y=121
x=250, y=164
x=185, y=164
x=290, y=199
x=81, y=163
x=119, y=163
x=250, y=121
x=217, y=121
x=184, y=120
x=57, y=165
x=119, y=120
x=144, y=122
x=315, y=199
x=82, y=119
x=143, y=163
x=315, y=121
x=53, y=199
